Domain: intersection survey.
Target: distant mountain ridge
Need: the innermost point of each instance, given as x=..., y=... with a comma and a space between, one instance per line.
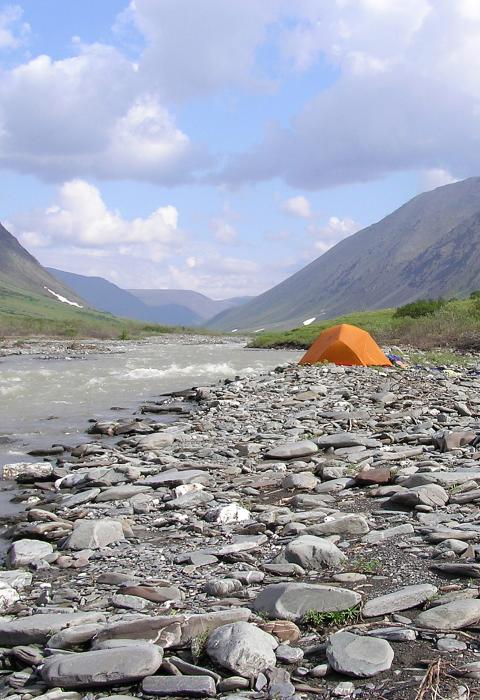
x=428, y=247
x=178, y=307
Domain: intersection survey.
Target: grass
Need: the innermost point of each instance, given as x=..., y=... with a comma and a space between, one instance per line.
x=453, y=326
x=26, y=314
x=366, y=566
x=338, y=618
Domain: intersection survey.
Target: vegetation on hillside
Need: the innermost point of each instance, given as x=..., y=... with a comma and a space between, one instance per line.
x=24, y=313
x=454, y=324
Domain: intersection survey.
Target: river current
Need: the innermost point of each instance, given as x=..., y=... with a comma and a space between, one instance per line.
x=44, y=400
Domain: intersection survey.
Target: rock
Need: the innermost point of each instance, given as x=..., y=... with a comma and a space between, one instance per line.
x=284, y=630
x=107, y=667
x=222, y=588
x=377, y=536
x=280, y=686
x=380, y=475
x=179, y=686
x=428, y=495
x=8, y=596
x=24, y=552
x=36, y=629
x=301, y=480
x=345, y=524
x=452, y=440
x=340, y=440
x=451, y=645
x=452, y=616
x=290, y=601
x=94, y=534
x=312, y=552
x=233, y=513
x=242, y=648
x=394, y=634
x=156, y=442
x=121, y=493
x=23, y=471
x=16, y=579
x=360, y=657
x=402, y=599
x=293, y=450
x=155, y=595
x=288, y=655
x=175, y=477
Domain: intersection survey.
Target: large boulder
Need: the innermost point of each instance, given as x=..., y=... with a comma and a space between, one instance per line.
x=290, y=601
x=242, y=648
x=312, y=552
x=360, y=657
x=94, y=534
x=106, y=667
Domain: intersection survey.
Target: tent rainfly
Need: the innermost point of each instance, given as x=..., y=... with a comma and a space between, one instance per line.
x=345, y=345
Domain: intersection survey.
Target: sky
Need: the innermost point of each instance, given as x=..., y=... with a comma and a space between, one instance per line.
x=221, y=145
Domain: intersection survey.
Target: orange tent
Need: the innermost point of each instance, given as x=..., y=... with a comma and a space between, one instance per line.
x=345, y=345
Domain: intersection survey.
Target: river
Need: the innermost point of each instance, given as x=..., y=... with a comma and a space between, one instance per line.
x=46, y=400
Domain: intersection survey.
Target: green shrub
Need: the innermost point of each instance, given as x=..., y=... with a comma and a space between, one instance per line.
x=475, y=294
x=421, y=307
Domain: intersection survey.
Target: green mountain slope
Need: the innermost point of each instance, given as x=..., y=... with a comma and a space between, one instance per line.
x=425, y=248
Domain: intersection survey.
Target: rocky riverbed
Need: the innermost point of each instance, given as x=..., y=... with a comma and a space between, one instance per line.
x=308, y=532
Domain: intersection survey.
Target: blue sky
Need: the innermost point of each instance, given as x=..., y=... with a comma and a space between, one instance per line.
x=221, y=145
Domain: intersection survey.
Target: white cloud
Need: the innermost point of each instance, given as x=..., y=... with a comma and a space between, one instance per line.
x=297, y=206
x=408, y=71
x=197, y=48
x=13, y=31
x=81, y=219
x=223, y=231
x=90, y=115
x=437, y=177
x=332, y=232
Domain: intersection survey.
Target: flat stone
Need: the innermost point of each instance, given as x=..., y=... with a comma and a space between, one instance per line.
x=394, y=634
x=156, y=441
x=27, y=470
x=155, y=595
x=345, y=524
x=290, y=601
x=82, y=497
x=340, y=440
x=94, y=534
x=121, y=493
x=452, y=616
x=284, y=630
x=451, y=645
x=36, y=629
x=16, y=579
x=402, y=599
x=242, y=648
x=288, y=655
x=380, y=475
x=360, y=657
x=176, y=477
x=377, y=536
x=24, y=552
x=429, y=495
x=292, y=450
x=312, y=552
x=106, y=667
x=179, y=686
x=301, y=480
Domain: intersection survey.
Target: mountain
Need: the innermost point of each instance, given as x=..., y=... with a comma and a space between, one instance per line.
x=171, y=307
x=426, y=248
x=201, y=306
x=21, y=270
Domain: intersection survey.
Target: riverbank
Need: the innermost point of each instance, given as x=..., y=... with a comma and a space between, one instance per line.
x=308, y=531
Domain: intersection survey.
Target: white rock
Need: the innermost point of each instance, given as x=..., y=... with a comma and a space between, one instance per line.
x=24, y=552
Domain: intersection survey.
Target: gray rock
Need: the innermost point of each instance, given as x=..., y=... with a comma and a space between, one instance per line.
x=27, y=470
x=292, y=450
x=360, y=657
x=36, y=629
x=290, y=601
x=312, y=552
x=301, y=480
x=24, y=552
x=175, y=477
x=288, y=655
x=340, y=440
x=16, y=579
x=156, y=442
x=451, y=645
x=376, y=536
x=222, y=588
x=403, y=599
x=179, y=686
x=347, y=524
x=429, y=495
x=82, y=497
x=121, y=493
x=94, y=534
x=242, y=648
x=452, y=616
x=394, y=634
x=106, y=667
